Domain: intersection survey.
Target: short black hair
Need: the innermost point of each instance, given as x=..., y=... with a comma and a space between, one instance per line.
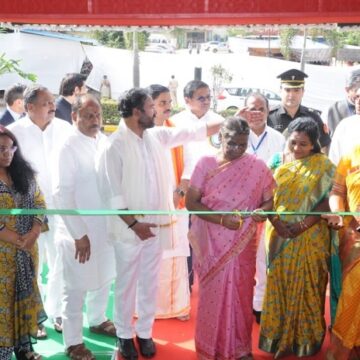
x=192, y=86
x=13, y=93
x=308, y=126
x=235, y=125
x=132, y=99
x=257, y=95
x=70, y=82
x=32, y=92
x=155, y=90
x=21, y=172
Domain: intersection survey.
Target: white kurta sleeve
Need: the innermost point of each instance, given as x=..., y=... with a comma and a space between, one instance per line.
x=109, y=174
x=190, y=162
x=335, y=151
x=175, y=136
x=64, y=187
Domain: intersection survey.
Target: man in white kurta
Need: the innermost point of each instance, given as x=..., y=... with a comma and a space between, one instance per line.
x=133, y=174
x=264, y=142
x=88, y=259
x=40, y=136
x=345, y=138
x=197, y=97
x=174, y=294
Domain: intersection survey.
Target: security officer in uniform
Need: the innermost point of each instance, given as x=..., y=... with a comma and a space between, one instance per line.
x=292, y=92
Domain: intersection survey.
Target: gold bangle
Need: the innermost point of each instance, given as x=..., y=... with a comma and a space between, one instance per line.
x=221, y=220
x=303, y=225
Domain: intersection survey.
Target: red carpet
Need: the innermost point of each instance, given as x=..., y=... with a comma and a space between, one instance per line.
x=175, y=338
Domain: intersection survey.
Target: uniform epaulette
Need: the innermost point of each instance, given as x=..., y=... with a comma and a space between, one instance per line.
x=274, y=108
x=318, y=112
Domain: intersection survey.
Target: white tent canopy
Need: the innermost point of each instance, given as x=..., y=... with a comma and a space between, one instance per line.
x=50, y=59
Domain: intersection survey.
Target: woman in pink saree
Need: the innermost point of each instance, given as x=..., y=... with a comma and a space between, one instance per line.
x=224, y=245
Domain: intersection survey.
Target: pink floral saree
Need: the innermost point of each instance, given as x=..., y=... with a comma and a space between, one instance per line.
x=225, y=259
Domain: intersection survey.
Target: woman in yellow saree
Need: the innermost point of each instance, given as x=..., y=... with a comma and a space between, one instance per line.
x=298, y=246
x=345, y=195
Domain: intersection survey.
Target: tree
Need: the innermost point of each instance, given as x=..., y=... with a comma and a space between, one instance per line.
x=180, y=35
x=238, y=32
x=286, y=38
x=142, y=39
x=12, y=66
x=114, y=39
x=220, y=76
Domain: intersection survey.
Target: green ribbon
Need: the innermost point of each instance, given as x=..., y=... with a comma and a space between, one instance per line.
x=98, y=212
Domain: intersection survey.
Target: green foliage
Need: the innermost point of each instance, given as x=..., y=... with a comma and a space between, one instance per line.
x=114, y=39
x=176, y=109
x=335, y=39
x=142, y=39
x=286, y=38
x=238, y=32
x=180, y=36
x=110, y=112
x=228, y=112
x=352, y=38
x=12, y=66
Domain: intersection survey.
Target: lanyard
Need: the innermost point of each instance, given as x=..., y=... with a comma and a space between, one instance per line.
x=259, y=143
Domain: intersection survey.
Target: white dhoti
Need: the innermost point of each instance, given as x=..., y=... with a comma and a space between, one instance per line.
x=174, y=295
x=261, y=276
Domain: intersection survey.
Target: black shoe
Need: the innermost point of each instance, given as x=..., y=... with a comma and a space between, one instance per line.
x=257, y=316
x=127, y=349
x=147, y=347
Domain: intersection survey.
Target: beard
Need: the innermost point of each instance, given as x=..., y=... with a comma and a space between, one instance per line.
x=146, y=122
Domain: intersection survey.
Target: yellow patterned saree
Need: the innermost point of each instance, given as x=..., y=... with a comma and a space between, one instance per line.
x=292, y=320
x=346, y=330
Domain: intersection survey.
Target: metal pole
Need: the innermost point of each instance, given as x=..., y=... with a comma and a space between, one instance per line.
x=136, y=64
x=302, y=61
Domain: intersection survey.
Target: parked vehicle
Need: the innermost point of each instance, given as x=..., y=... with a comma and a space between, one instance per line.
x=160, y=48
x=216, y=46
x=233, y=97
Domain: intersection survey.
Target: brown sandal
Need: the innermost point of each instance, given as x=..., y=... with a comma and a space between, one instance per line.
x=105, y=328
x=79, y=352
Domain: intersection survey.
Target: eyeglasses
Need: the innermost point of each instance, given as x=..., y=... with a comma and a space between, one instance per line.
x=202, y=99
x=10, y=149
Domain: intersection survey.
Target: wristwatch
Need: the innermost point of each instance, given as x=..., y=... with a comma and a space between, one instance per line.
x=180, y=192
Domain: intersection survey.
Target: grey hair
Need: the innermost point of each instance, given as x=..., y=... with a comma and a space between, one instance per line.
x=234, y=125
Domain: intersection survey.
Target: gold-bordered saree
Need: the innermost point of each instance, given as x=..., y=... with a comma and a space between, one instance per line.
x=292, y=320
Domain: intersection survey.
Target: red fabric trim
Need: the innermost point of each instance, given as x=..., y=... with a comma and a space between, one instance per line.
x=185, y=12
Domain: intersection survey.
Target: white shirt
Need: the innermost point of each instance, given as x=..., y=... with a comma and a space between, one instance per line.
x=266, y=144
x=13, y=113
x=346, y=137
x=75, y=187
x=194, y=151
x=41, y=148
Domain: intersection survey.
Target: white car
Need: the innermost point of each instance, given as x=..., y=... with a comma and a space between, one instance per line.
x=233, y=97
x=216, y=46
x=160, y=48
